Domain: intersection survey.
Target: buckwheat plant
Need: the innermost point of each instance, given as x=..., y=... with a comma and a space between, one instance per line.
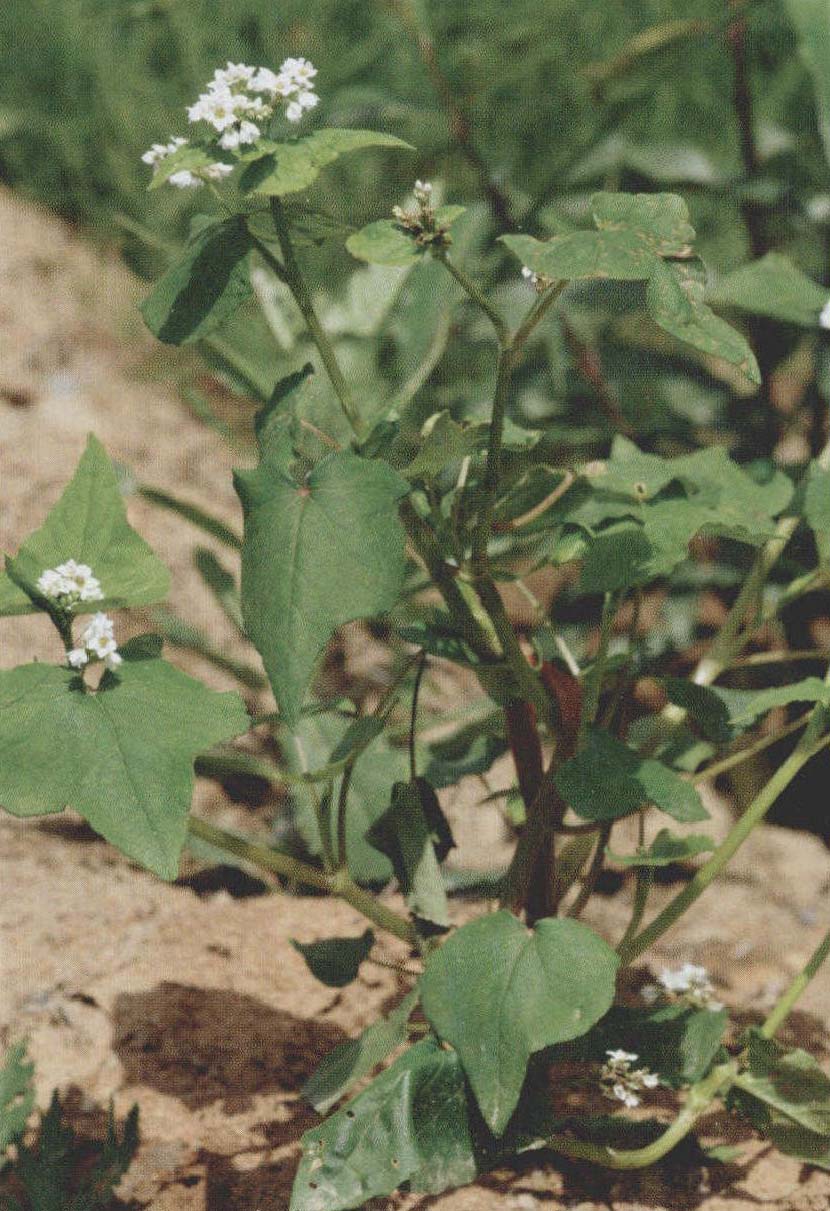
x=390, y=502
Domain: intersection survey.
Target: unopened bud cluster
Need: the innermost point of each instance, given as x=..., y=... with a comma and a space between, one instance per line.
x=97, y=642
x=421, y=222
x=235, y=105
x=70, y=583
x=688, y=983
x=622, y=1082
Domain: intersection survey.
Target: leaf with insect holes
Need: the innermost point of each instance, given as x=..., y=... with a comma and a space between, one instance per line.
x=122, y=756
x=203, y=288
x=660, y=220
x=498, y=992
x=414, y=1122
x=607, y=780
x=88, y=524
x=291, y=167
x=336, y=961
x=772, y=286
x=318, y=551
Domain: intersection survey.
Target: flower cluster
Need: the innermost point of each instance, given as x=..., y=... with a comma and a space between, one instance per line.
x=620, y=1081
x=235, y=104
x=97, y=643
x=689, y=983
x=70, y=583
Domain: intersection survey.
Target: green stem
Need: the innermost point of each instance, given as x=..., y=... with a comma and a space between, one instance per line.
x=596, y=675
x=292, y=275
x=413, y=716
x=731, y=638
x=751, y=750
x=477, y=295
x=788, y=999
x=807, y=748
x=593, y=873
x=641, y=890
x=698, y=1101
x=337, y=883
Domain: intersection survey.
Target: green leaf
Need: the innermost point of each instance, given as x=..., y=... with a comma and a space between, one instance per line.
x=618, y=255
x=404, y=835
x=413, y=1123
x=316, y=740
x=445, y=443
x=498, y=993
x=661, y=220
x=794, y=1140
x=813, y=31
x=790, y=1082
x=385, y=242
x=356, y=1058
x=336, y=961
x=665, y=849
x=607, y=780
x=88, y=524
x=817, y=508
x=745, y=706
x=774, y=287
x=674, y=297
x=291, y=167
x=121, y=756
x=204, y=287
x=318, y=552
x=17, y=1096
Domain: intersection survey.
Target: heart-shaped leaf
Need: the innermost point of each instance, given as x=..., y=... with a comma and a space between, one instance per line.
x=499, y=992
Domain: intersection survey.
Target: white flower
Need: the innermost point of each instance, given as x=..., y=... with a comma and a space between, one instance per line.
x=691, y=983
x=233, y=73
x=650, y=993
x=77, y=658
x=423, y=187
x=69, y=583
x=622, y=1057
x=293, y=111
x=529, y=275
x=160, y=151
x=219, y=108
x=619, y=1080
x=112, y=661
x=626, y=1096
x=237, y=136
x=824, y=317
x=183, y=180
x=265, y=81
x=307, y=99
x=217, y=171
x=300, y=71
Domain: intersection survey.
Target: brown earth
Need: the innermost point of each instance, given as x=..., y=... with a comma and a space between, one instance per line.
x=195, y=1006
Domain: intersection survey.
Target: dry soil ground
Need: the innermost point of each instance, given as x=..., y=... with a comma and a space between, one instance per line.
x=194, y=1005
